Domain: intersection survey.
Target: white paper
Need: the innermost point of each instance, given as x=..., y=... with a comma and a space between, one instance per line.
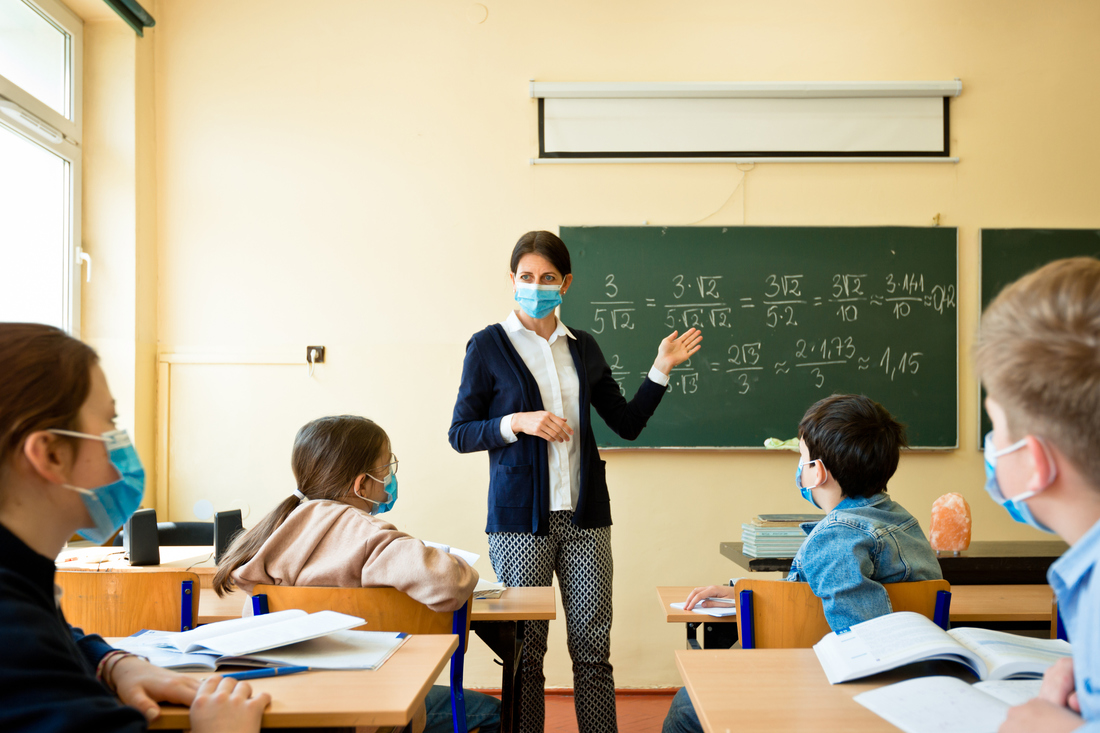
x=936, y=705
x=488, y=589
x=717, y=612
x=340, y=650
x=247, y=635
x=469, y=557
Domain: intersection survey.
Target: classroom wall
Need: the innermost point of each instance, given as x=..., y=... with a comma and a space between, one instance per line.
x=354, y=174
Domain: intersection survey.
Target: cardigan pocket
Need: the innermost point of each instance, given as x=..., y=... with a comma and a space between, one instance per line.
x=513, y=486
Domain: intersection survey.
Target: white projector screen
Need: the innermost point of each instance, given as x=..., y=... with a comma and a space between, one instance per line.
x=838, y=126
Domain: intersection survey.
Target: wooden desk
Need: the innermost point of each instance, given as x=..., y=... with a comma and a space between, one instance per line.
x=985, y=563
x=781, y=690
x=499, y=622
x=388, y=696
x=197, y=559
x=991, y=606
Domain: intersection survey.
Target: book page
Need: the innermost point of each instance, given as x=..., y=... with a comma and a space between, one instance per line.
x=936, y=705
x=1011, y=692
x=341, y=650
x=192, y=640
x=289, y=631
x=902, y=636
x=469, y=557
x=1008, y=654
x=717, y=612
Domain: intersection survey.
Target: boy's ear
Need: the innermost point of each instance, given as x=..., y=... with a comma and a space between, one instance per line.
x=1044, y=469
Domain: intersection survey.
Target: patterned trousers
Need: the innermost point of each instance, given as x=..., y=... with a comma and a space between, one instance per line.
x=582, y=560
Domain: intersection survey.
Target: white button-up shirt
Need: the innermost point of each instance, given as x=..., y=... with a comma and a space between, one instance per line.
x=551, y=364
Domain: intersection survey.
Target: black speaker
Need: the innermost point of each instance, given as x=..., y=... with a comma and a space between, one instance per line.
x=139, y=538
x=227, y=525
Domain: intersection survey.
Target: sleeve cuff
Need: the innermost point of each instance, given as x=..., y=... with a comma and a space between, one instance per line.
x=656, y=375
x=506, y=429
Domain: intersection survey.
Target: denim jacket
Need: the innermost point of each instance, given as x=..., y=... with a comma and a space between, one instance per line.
x=863, y=543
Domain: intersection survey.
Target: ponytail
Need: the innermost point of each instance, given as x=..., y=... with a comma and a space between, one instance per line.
x=247, y=544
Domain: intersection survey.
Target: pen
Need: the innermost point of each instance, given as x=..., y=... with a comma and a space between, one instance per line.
x=255, y=674
x=730, y=601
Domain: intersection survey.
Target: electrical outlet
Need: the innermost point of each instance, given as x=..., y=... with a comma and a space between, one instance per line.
x=319, y=357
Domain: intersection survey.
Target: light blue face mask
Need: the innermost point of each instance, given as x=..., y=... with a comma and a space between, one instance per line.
x=111, y=505
x=806, y=492
x=1016, y=507
x=538, y=301
x=390, y=485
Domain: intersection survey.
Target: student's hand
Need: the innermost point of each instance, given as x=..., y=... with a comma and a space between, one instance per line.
x=1040, y=715
x=542, y=424
x=711, y=591
x=674, y=350
x=1058, y=685
x=141, y=685
x=224, y=705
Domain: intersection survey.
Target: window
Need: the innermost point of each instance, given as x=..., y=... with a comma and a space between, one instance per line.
x=40, y=132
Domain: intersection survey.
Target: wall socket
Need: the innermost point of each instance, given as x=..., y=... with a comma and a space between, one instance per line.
x=319, y=358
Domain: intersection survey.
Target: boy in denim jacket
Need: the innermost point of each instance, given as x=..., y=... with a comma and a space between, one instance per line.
x=1038, y=356
x=850, y=447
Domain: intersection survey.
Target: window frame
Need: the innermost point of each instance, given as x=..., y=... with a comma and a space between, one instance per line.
x=68, y=149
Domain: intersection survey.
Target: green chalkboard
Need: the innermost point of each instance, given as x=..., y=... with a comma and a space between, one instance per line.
x=789, y=315
x=1009, y=254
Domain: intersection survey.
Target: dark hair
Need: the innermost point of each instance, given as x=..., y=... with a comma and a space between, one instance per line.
x=47, y=378
x=329, y=453
x=857, y=440
x=546, y=245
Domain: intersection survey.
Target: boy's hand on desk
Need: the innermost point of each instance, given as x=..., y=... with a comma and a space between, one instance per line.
x=711, y=591
x=141, y=685
x=225, y=705
x=1058, y=685
x=1039, y=715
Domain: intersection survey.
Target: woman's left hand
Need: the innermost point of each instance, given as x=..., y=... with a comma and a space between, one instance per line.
x=141, y=685
x=675, y=350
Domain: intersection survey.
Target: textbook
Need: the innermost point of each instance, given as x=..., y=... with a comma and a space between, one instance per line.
x=339, y=650
x=947, y=704
x=902, y=638
x=251, y=634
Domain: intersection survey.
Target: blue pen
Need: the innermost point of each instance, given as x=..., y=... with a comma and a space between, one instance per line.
x=255, y=674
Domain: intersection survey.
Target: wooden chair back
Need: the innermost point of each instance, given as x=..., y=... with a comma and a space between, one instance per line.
x=122, y=603
x=786, y=615
x=384, y=609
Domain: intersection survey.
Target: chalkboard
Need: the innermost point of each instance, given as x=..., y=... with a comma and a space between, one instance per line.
x=1009, y=254
x=789, y=315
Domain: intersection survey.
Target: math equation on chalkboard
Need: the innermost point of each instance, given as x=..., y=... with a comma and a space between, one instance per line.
x=789, y=315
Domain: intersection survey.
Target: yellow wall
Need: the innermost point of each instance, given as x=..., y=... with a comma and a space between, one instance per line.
x=354, y=174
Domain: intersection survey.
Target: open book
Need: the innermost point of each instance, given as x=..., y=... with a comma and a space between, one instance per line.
x=902, y=638
x=469, y=557
x=339, y=650
x=947, y=704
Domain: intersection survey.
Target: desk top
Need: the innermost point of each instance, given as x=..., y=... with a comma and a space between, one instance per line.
x=969, y=603
x=985, y=563
x=781, y=690
x=388, y=696
x=515, y=604
x=198, y=559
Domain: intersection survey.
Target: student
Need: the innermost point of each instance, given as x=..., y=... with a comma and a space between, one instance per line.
x=1038, y=356
x=64, y=467
x=850, y=446
x=328, y=533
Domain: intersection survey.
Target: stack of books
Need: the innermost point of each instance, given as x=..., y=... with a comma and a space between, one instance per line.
x=775, y=535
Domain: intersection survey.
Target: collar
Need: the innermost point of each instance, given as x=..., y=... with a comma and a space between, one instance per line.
x=20, y=559
x=1079, y=559
x=855, y=502
x=512, y=324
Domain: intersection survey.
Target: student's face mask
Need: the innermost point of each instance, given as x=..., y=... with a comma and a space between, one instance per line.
x=1016, y=507
x=390, y=485
x=806, y=492
x=111, y=505
x=538, y=301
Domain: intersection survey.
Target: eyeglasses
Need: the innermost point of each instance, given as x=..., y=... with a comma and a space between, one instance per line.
x=392, y=466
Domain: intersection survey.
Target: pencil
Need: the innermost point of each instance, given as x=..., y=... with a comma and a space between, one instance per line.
x=255, y=674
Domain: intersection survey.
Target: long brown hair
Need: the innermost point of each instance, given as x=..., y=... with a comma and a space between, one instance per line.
x=47, y=378
x=329, y=453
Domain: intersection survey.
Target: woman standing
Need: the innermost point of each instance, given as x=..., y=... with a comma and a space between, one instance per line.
x=527, y=386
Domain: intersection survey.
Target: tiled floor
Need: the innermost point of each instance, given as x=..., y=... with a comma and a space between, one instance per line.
x=637, y=713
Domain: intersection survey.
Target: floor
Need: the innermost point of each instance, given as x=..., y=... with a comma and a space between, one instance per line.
x=637, y=713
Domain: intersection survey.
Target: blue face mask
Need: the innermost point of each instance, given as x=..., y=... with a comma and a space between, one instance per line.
x=538, y=301
x=1016, y=507
x=111, y=505
x=390, y=485
x=806, y=492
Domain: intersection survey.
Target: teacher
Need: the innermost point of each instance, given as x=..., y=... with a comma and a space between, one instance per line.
x=527, y=385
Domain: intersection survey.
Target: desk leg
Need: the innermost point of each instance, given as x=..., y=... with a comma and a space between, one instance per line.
x=505, y=638
x=716, y=635
x=692, y=640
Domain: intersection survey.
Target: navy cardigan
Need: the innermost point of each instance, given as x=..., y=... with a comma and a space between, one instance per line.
x=495, y=383
x=47, y=668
